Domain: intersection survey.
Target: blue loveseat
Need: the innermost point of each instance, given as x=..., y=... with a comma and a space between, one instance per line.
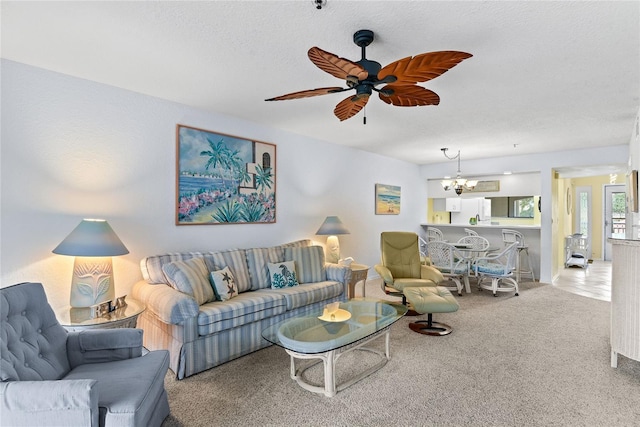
x=202, y=334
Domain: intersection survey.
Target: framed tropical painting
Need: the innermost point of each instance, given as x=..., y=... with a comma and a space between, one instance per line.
x=387, y=199
x=224, y=179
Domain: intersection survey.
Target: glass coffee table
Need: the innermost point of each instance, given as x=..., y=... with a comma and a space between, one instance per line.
x=324, y=337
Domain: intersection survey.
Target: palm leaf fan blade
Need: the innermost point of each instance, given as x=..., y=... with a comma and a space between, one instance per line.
x=349, y=107
x=424, y=67
x=409, y=96
x=308, y=93
x=336, y=66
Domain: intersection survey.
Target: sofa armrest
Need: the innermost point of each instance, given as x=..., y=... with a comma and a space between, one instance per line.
x=49, y=403
x=339, y=273
x=103, y=345
x=431, y=273
x=167, y=304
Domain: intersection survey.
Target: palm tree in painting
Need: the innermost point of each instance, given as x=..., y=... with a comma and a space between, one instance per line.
x=263, y=178
x=217, y=154
x=234, y=164
x=229, y=212
x=242, y=175
x=228, y=163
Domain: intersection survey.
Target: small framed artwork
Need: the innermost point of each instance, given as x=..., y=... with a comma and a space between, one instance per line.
x=632, y=188
x=223, y=179
x=387, y=199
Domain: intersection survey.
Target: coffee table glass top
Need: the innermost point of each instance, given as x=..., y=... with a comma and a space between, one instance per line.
x=309, y=335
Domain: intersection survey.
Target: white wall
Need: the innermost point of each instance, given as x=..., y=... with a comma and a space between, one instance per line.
x=72, y=149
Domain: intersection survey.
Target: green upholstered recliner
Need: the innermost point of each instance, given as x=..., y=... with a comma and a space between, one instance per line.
x=400, y=265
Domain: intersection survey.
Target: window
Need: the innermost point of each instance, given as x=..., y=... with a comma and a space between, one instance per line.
x=583, y=213
x=582, y=218
x=521, y=207
x=266, y=161
x=619, y=214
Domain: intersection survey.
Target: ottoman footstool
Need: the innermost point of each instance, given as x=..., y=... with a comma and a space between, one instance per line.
x=429, y=300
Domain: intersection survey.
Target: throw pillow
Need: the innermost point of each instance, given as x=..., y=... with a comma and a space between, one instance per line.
x=257, y=260
x=309, y=263
x=236, y=260
x=283, y=274
x=190, y=277
x=224, y=284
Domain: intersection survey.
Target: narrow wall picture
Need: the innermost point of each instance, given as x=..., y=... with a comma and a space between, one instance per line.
x=387, y=199
x=223, y=179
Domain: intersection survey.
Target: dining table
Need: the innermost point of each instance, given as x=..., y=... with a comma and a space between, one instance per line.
x=471, y=254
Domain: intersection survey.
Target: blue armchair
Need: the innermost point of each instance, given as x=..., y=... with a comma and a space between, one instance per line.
x=49, y=376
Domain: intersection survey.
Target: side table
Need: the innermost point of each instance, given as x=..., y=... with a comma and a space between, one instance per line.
x=358, y=274
x=78, y=319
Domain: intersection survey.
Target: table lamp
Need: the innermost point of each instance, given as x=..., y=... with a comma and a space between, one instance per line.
x=93, y=242
x=332, y=227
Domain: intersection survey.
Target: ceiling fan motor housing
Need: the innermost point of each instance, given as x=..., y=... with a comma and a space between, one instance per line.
x=363, y=38
x=372, y=67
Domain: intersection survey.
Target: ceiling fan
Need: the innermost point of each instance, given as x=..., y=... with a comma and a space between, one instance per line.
x=364, y=76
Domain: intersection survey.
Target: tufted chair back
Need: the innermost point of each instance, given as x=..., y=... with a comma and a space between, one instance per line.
x=32, y=342
x=400, y=253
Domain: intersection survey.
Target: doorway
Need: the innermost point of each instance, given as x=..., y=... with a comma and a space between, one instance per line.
x=615, y=208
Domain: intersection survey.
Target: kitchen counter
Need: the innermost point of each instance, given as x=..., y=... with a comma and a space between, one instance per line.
x=493, y=233
x=501, y=226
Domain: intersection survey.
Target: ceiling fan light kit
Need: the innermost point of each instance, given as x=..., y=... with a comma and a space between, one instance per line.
x=459, y=184
x=399, y=78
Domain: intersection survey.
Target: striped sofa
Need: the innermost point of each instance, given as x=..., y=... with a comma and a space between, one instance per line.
x=200, y=335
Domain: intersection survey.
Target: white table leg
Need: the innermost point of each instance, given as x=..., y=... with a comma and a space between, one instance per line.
x=330, y=374
x=387, y=346
x=293, y=368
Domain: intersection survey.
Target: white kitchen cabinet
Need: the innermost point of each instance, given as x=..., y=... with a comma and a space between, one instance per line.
x=453, y=204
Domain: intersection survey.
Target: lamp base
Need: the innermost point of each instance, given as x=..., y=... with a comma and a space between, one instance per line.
x=92, y=281
x=333, y=249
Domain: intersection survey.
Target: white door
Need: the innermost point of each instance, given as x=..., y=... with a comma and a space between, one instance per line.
x=615, y=208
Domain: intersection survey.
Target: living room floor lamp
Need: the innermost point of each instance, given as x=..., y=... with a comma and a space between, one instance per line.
x=93, y=242
x=332, y=227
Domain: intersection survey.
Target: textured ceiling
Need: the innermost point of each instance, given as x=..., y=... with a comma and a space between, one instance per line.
x=544, y=76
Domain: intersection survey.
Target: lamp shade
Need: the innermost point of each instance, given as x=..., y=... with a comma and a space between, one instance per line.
x=332, y=226
x=92, y=238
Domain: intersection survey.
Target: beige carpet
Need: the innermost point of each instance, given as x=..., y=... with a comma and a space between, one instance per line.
x=539, y=359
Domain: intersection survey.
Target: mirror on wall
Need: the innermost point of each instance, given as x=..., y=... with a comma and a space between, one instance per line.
x=522, y=207
x=513, y=207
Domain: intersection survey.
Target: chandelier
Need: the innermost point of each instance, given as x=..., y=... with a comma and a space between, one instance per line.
x=459, y=184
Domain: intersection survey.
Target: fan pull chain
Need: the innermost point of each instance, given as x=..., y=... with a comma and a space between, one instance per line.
x=364, y=118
